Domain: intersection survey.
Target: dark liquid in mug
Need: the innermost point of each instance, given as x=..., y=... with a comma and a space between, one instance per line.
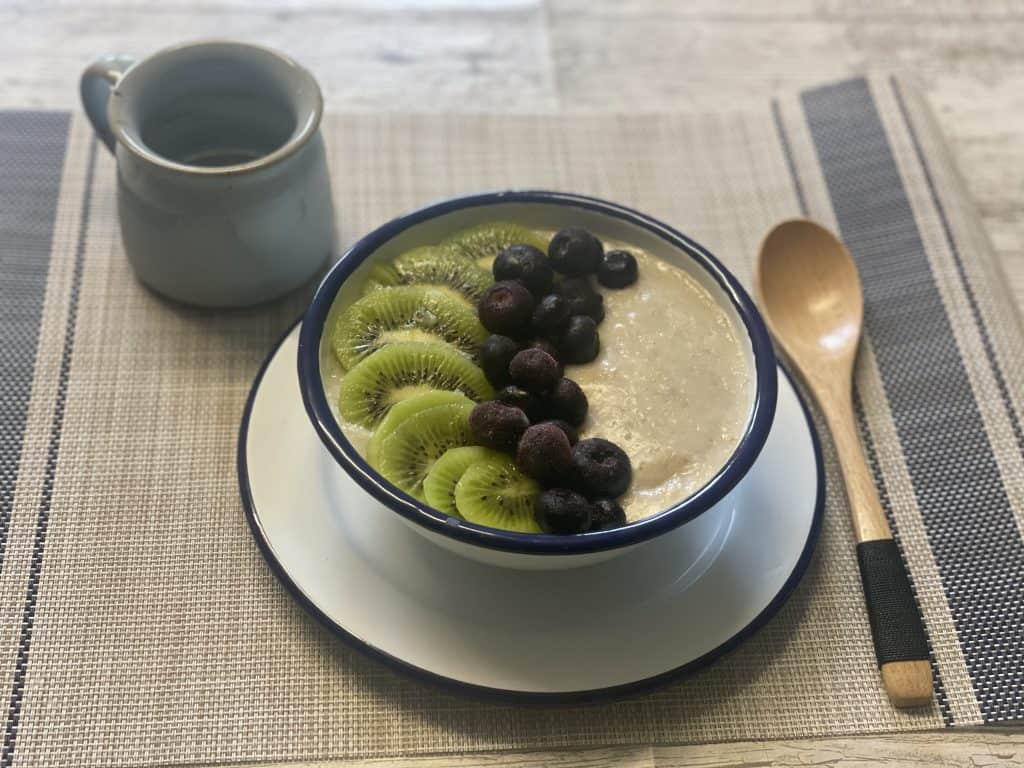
x=216, y=128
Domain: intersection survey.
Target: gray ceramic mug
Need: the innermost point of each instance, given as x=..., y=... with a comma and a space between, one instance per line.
x=223, y=190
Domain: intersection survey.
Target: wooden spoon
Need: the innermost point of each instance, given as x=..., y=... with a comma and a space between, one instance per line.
x=810, y=295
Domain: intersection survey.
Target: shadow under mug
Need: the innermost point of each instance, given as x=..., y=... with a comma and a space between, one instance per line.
x=223, y=195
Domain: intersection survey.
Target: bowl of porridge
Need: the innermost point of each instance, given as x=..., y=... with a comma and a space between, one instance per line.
x=538, y=379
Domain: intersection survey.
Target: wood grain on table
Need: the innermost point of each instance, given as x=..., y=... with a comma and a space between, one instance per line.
x=580, y=55
x=962, y=749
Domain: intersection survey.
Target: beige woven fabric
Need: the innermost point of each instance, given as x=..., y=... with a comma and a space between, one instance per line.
x=161, y=637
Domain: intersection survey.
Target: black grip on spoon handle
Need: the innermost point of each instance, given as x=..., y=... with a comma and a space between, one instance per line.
x=896, y=626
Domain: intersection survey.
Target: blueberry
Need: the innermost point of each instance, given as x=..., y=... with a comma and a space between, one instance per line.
x=506, y=308
x=605, y=514
x=567, y=402
x=551, y=313
x=549, y=347
x=528, y=403
x=583, y=299
x=560, y=510
x=617, y=269
x=545, y=455
x=601, y=468
x=570, y=431
x=495, y=354
x=579, y=342
x=526, y=264
x=574, y=251
x=497, y=425
x=534, y=370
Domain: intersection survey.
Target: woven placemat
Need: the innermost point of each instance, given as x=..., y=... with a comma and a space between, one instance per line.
x=139, y=624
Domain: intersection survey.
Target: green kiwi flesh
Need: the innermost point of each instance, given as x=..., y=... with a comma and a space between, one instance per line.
x=404, y=313
x=494, y=493
x=439, y=484
x=433, y=266
x=408, y=454
x=483, y=242
x=403, y=370
x=401, y=411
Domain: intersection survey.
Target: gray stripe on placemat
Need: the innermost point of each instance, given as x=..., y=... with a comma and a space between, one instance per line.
x=964, y=506
x=972, y=300
x=866, y=436
x=53, y=453
x=32, y=146
x=787, y=152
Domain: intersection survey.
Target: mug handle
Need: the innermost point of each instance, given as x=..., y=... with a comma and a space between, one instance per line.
x=97, y=82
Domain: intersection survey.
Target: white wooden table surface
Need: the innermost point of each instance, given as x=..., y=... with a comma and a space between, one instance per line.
x=575, y=55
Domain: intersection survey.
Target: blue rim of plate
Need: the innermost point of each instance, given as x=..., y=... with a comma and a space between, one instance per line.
x=314, y=398
x=527, y=697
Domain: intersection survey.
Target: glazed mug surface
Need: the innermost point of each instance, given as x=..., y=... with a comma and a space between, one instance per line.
x=224, y=195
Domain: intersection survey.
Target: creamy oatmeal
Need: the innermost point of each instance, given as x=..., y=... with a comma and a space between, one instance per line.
x=672, y=384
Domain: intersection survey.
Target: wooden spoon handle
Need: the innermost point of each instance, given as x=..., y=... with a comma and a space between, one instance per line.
x=869, y=521
x=901, y=646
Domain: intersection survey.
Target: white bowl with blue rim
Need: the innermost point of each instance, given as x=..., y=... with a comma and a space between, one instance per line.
x=702, y=512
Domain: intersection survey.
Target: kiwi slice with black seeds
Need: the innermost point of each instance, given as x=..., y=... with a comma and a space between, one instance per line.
x=408, y=454
x=433, y=266
x=493, y=492
x=439, y=484
x=403, y=410
x=483, y=243
x=403, y=370
x=404, y=313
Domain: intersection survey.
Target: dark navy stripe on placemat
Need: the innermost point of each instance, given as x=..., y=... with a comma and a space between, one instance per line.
x=964, y=506
x=46, y=498
x=866, y=437
x=32, y=151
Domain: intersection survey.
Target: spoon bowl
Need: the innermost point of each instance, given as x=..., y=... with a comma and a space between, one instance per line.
x=811, y=298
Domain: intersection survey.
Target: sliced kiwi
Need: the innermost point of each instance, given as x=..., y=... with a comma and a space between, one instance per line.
x=403, y=370
x=403, y=410
x=404, y=313
x=439, y=484
x=433, y=266
x=382, y=276
x=484, y=242
x=493, y=492
x=408, y=454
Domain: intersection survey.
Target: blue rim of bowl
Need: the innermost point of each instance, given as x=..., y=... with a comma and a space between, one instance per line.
x=530, y=698
x=315, y=400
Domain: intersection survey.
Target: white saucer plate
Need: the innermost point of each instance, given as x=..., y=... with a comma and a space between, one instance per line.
x=665, y=609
